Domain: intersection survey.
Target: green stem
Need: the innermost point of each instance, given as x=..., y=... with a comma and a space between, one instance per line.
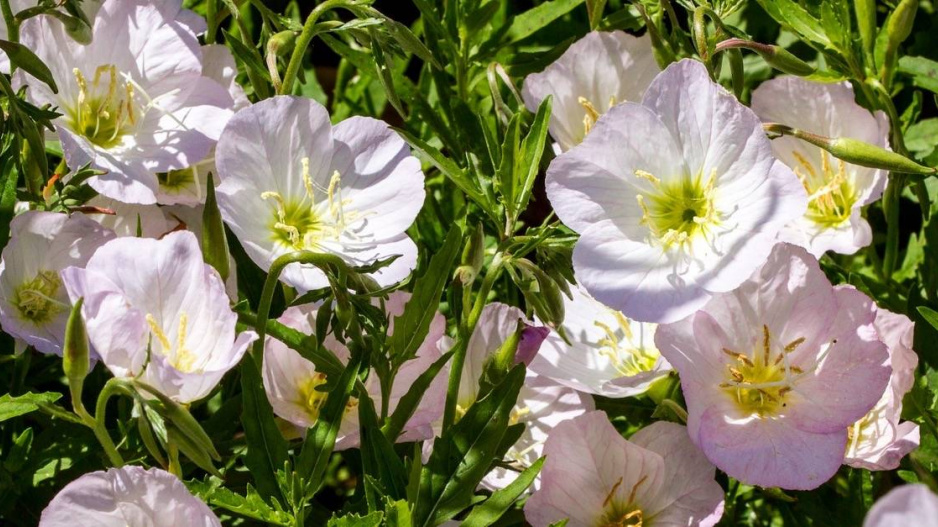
x=211, y=18
x=303, y=41
x=13, y=30
x=320, y=260
x=96, y=422
x=460, y=349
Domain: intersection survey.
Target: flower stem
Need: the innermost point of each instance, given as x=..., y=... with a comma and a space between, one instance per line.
x=302, y=42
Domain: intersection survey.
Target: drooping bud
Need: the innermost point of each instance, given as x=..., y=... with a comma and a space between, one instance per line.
x=855, y=151
x=540, y=291
x=76, y=353
x=473, y=256
x=775, y=56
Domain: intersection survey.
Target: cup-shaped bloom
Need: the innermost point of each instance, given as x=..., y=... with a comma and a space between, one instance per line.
x=542, y=403
x=155, y=311
x=129, y=495
x=594, y=74
x=879, y=441
x=776, y=371
x=291, y=181
x=291, y=381
x=675, y=199
x=34, y=305
x=187, y=186
x=608, y=354
x=837, y=191
x=593, y=476
x=134, y=101
x=904, y=506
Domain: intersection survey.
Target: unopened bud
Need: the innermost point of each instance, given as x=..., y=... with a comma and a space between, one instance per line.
x=531, y=339
x=76, y=353
x=281, y=43
x=858, y=152
x=899, y=25
x=775, y=56
x=540, y=292
x=214, y=241
x=473, y=256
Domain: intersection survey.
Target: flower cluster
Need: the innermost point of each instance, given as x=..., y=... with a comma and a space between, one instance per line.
x=696, y=320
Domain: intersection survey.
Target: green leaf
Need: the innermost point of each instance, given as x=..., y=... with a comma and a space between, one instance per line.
x=532, y=149
x=320, y=439
x=411, y=326
x=22, y=57
x=325, y=361
x=353, y=520
x=594, y=9
x=461, y=457
x=214, y=241
x=930, y=315
x=922, y=137
x=9, y=177
x=11, y=406
x=246, y=56
x=489, y=511
x=924, y=72
x=398, y=514
x=251, y=506
x=409, y=42
x=791, y=15
x=267, y=450
x=378, y=456
x=408, y=404
x=535, y=19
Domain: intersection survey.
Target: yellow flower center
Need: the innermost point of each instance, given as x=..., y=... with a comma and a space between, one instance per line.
x=177, y=353
x=592, y=114
x=311, y=398
x=618, y=345
x=176, y=181
x=676, y=212
x=831, y=195
x=105, y=110
x=306, y=224
x=622, y=514
x=35, y=299
x=759, y=383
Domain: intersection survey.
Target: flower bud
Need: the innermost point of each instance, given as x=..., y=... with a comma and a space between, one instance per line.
x=531, y=339
x=473, y=256
x=214, y=241
x=860, y=153
x=281, y=43
x=540, y=291
x=899, y=25
x=784, y=61
x=75, y=352
x=866, y=22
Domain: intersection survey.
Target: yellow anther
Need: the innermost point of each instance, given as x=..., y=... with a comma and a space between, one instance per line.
x=592, y=114
x=645, y=214
x=648, y=176
x=307, y=179
x=791, y=346
x=765, y=344
x=157, y=332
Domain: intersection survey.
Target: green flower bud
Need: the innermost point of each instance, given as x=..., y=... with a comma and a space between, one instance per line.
x=473, y=256
x=860, y=153
x=214, y=241
x=540, y=291
x=784, y=61
x=866, y=22
x=75, y=353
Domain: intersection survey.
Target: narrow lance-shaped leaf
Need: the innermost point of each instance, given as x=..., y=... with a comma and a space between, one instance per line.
x=23, y=58
x=267, y=450
x=412, y=326
x=532, y=149
x=408, y=404
x=461, y=457
x=378, y=456
x=489, y=511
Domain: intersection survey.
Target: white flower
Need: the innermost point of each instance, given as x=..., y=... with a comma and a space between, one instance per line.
x=675, y=199
x=34, y=306
x=879, y=440
x=594, y=74
x=291, y=381
x=134, y=101
x=837, y=190
x=187, y=186
x=127, y=496
x=905, y=506
x=608, y=354
x=151, y=219
x=542, y=403
x=291, y=181
x=155, y=311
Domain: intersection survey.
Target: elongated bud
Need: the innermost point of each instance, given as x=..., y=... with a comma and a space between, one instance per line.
x=855, y=151
x=504, y=358
x=899, y=25
x=775, y=56
x=281, y=43
x=76, y=353
x=180, y=417
x=214, y=241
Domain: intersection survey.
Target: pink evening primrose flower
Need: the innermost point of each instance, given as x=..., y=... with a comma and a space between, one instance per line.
x=291, y=381
x=608, y=354
x=34, y=305
x=129, y=495
x=776, y=371
x=904, y=506
x=675, y=199
x=134, y=101
x=155, y=311
x=291, y=181
x=879, y=441
x=837, y=191
x=596, y=478
x=594, y=74
x=542, y=403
